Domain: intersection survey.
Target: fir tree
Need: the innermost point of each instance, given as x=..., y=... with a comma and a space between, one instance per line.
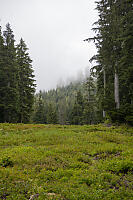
x=39, y=115
x=51, y=114
x=77, y=111
x=10, y=85
x=26, y=84
x=89, y=112
x=113, y=40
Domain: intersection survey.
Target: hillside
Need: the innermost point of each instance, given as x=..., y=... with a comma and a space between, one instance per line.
x=65, y=162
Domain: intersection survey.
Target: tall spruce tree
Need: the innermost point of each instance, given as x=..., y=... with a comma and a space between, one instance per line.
x=26, y=84
x=10, y=82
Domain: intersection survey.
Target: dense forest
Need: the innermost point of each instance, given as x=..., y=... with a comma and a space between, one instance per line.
x=114, y=59
x=106, y=94
x=74, y=103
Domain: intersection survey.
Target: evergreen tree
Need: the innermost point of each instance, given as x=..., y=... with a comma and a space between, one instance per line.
x=16, y=79
x=2, y=77
x=77, y=111
x=10, y=84
x=39, y=115
x=51, y=114
x=26, y=84
x=114, y=58
x=90, y=109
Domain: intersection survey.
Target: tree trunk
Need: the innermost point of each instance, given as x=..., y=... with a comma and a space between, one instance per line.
x=116, y=90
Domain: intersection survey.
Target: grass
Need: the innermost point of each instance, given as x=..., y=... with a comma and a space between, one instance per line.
x=66, y=162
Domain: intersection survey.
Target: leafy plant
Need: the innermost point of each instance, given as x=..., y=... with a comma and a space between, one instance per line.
x=6, y=162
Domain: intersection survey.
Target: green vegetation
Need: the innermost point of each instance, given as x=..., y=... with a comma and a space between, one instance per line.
x=114, y=59
x=107, y=93
x=75, y=103
x=16, y=79
x=70, y=162
x=65, y=162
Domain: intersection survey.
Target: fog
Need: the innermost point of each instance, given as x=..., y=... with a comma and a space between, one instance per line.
x=54, y=32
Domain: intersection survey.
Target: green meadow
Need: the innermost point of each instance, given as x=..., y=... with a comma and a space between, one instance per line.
x=66, y=162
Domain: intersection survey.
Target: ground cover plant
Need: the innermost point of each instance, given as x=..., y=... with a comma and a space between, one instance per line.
x=65, y=162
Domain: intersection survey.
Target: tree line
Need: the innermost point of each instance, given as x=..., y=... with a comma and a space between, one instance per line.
x=106, y=94
x=109, y=89
x=75, y=103
x=16, y=79
x=114, y=59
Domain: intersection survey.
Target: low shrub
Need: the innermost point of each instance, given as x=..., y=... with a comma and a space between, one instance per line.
x=6, y=162
x=122, y=115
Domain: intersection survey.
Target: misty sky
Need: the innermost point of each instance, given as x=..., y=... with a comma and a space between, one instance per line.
x=54, y=31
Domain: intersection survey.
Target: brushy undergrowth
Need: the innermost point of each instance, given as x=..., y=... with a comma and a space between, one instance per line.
x=66, y=162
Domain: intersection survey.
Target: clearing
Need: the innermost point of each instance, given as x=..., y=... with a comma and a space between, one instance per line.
x=66, y=162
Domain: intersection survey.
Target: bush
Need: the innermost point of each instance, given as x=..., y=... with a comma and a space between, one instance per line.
x=5, y=162
x=129, y=120
x=121, y=166
x=122, y=115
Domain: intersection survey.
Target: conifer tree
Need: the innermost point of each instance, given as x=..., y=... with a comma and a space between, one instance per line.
x=26, y=84
x=2, y=77
x=39, y=115
x=10, y=85
x=89, y=112
x=77, y=111
x=51, y=114
x=113, y=40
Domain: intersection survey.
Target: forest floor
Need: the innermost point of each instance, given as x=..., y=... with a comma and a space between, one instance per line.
x=66, y=162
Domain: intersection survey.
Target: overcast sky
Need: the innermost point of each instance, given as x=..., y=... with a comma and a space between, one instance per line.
x=54, y=31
